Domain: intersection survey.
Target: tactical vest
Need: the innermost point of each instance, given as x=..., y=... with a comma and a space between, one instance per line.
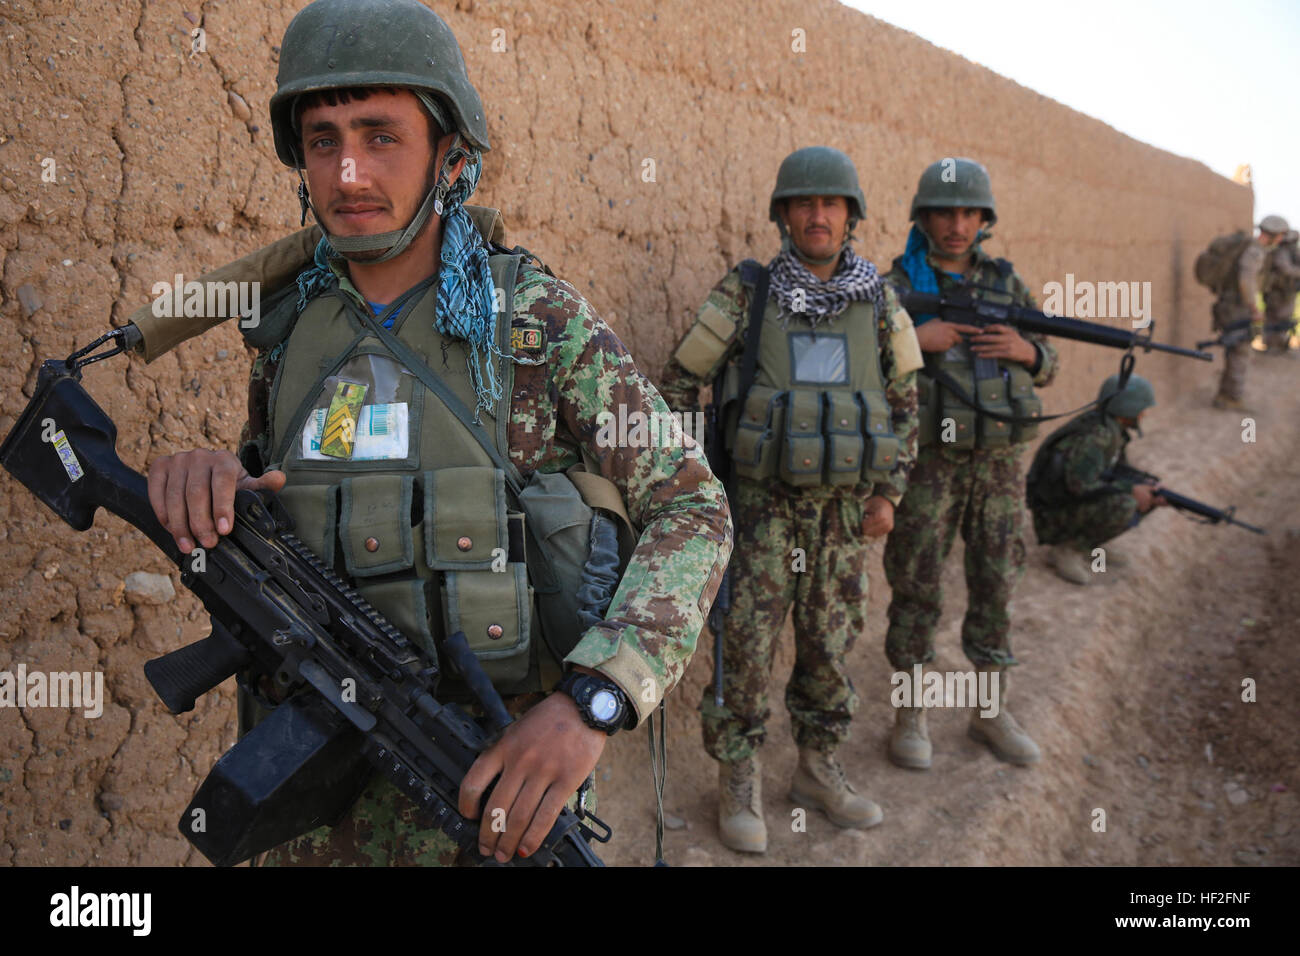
x=419, y=516
x=1003, y=387
x=816, y=413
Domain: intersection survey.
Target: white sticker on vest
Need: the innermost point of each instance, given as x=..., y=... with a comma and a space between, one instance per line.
x=382, y=434
x=67, y=457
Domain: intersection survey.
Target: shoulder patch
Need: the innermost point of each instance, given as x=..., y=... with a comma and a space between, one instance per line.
x=526, y=339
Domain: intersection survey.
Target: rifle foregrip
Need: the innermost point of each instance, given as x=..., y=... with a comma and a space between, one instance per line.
x=185, y=675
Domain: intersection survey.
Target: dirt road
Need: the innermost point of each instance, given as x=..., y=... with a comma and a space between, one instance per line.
x=1133, y=688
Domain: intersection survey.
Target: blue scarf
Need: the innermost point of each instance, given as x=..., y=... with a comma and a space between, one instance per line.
x=919, y=272
x=466, y=296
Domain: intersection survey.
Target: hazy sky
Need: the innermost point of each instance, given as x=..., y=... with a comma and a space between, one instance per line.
x=1215, y=81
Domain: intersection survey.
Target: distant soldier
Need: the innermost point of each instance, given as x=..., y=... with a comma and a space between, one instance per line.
x=1281, y=282
x=1236, y=303
x=821, y=432
x=1077, y=504
x=967, y=473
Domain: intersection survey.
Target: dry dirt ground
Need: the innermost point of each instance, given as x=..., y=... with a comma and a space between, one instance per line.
x=1133, y=689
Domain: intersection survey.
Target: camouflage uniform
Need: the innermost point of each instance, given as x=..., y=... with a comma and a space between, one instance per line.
x=1074, y=504
x=650, y=630
x=1235, y=303
x=1280, y=285
x=979, y=492
x=829, y=596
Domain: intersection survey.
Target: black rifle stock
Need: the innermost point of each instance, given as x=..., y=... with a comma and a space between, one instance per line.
x=968, y=310
x=1210, y=514
x=358, y=691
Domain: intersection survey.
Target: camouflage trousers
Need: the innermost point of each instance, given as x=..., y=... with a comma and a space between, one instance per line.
x=1236, y=359
x=981, y=494
x=1085, y=524
x=800, y=547
x=1278, y=308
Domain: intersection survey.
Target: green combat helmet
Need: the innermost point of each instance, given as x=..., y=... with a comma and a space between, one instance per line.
x=954, y=182
x=1275, y=225
x=1129, y=402
x=818, y=171
x=336, y=44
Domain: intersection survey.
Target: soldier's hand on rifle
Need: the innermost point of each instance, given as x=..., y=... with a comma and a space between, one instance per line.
x=939, y=336
x=193, y=494
x=878, y=516
x=1003, y=342
x=542, y=758
x=1148, y=497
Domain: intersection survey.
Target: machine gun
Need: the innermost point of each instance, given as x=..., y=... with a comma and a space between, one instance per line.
x=1234, y=333
x=968, y=310
x=1190, y=506
x=357, y=692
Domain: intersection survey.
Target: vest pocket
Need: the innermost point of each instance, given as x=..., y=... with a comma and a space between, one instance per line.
x=1024, y=403
x=805, y=448
x=375, y=524
x=926, y=410
x=956, y=421
x=314, y=509
x=754, y=452
x=465, y=511
x=992, y=395
x=844, y=438
x=493, y=609
x=405, y=604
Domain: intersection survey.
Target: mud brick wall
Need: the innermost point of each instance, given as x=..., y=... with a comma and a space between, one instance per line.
x=634, y=146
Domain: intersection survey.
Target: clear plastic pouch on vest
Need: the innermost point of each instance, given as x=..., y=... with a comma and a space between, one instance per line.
x=363, y=413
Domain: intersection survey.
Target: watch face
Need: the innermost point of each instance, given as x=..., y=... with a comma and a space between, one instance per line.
x=604, y=705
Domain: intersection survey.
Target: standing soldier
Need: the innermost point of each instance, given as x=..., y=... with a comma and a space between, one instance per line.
x=1281, y=282
x=967, y=473
x=1236, y=303
x=396, y=320
x=1077, y=503
x=819, y=416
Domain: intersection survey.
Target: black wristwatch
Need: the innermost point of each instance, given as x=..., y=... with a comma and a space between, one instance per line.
x=601, y=703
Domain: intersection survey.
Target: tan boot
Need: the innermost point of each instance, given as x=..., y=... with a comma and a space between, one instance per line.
x=819, y=782
x=1002, y=734
x=1231, y=404
x=1070, y=564
x=1117, y=556
x=740, y=806
x=909, y=744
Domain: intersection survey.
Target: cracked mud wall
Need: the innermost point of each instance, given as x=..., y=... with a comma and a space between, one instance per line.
x=634, y=147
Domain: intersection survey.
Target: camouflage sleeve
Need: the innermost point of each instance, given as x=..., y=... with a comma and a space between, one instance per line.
x=1285, y=262
x=1050, y=359
x=1084, y=458
x=650, y=630
x=712, y=340
x=900, y=357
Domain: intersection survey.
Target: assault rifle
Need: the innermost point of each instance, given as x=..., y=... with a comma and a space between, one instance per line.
x=1209, y=515
x=358, y=692
x=968, y=310
x=1234, y=333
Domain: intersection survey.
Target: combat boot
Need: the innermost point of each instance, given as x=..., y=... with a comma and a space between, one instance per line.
x=1070, y=563
x=819, y=782
x=1231, y=404
x=1116, y=555
x=1002, y=734
x=909, y=744
x=740, y=806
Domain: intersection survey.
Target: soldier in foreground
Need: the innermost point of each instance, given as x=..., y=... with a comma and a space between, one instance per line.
x=967, y=473
x=394, y=323
x=821, y=440
x=1236, y=303
x=1281, y=283
x=1076, y=502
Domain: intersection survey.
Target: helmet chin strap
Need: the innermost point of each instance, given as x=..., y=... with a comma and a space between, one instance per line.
x=353, y=248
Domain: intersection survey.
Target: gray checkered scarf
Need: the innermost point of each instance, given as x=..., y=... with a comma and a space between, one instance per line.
x=799, y=291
